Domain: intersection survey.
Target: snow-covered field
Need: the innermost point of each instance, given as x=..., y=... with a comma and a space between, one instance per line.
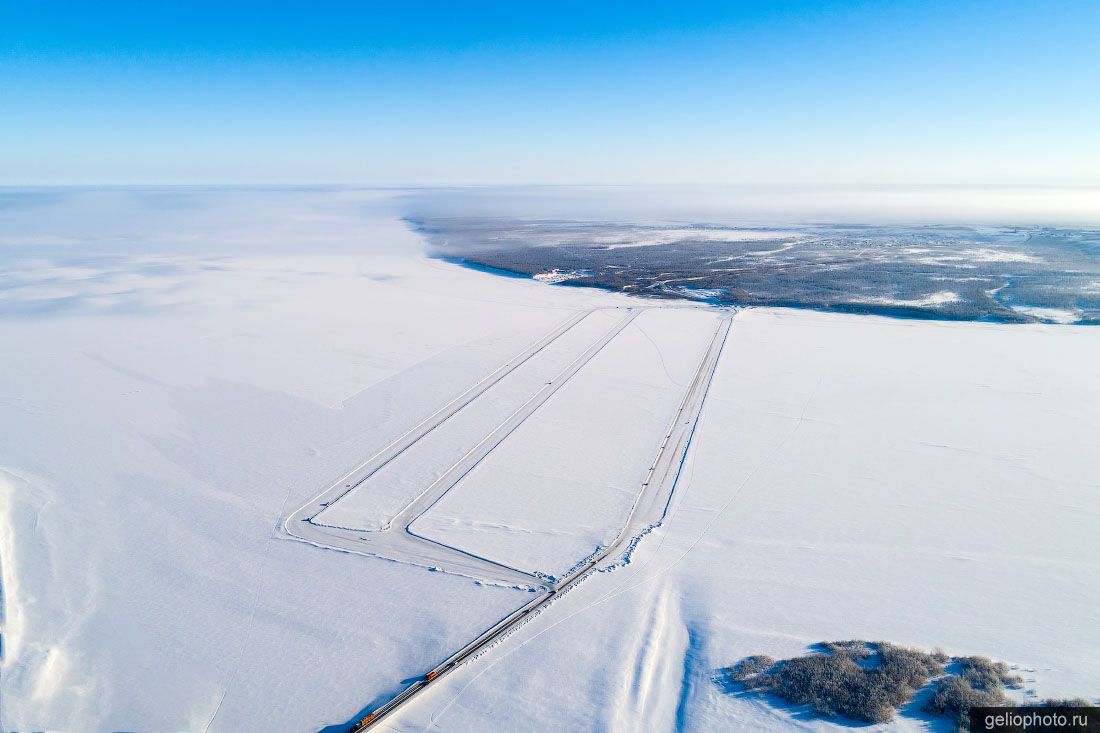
x=182, y=369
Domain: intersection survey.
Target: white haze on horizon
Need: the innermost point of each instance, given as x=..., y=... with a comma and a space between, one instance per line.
x=773, y=204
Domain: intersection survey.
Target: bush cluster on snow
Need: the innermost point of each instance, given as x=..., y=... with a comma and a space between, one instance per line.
x=854, y=679
x=980, y=682
x=870, y=681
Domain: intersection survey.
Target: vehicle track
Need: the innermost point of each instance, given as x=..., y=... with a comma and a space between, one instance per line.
x=647, y=511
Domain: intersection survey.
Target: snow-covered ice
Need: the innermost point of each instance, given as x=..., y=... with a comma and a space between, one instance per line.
x=184, y=368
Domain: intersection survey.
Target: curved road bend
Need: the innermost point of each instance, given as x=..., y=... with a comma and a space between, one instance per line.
x=404, y=546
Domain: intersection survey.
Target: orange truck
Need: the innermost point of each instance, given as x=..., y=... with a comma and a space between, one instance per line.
x=362, y=723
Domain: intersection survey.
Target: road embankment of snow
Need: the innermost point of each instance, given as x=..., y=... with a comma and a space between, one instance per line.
x=563, y=483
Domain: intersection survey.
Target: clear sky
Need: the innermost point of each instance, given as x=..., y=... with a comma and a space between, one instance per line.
x=562, y=91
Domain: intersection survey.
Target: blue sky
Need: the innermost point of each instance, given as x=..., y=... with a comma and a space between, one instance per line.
x=746, y=92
